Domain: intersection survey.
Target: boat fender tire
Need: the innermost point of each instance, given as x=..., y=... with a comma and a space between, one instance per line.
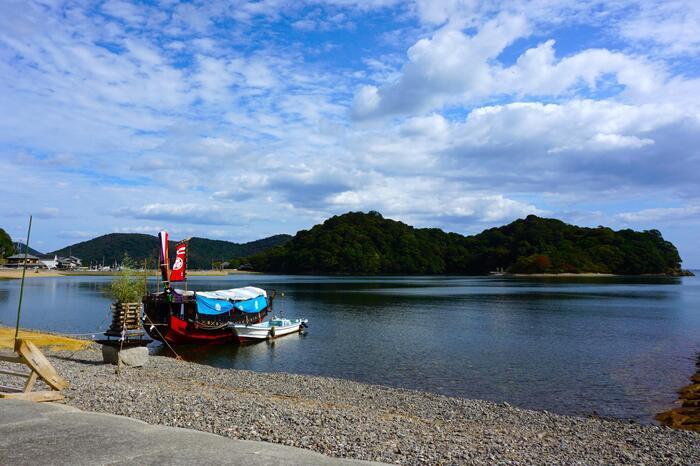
x=272, y=332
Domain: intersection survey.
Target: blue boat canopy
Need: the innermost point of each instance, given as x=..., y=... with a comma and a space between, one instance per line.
x=251, y=306
x=211, y=306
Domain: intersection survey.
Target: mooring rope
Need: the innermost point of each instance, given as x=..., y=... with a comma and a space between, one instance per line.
x=177, y=356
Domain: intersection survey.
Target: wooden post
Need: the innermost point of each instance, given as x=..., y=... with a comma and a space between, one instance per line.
x=145, y=277
x=21, y=287
x=157, y=276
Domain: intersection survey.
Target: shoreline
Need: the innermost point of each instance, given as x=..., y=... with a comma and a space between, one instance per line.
x=343, y=418
x=683, y=273
x=569, y=274
x=11, y=274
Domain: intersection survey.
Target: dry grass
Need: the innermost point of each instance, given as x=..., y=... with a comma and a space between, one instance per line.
x=42, y=340
x=17, y=273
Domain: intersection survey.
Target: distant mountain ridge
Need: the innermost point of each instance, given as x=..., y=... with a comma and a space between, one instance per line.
x=20, y=247
x=367, y=243
x=110, y=248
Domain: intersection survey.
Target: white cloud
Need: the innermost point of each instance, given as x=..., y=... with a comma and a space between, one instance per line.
x=39, y=213
x=577, y=125
x=434, y=126
x=76, y=234
x=145, y=229
x=425, y=199
x=537, y=72
x=450, y=64
x=186, y=213
x=672, y=26
x=304, y=24
x=453, y=68
x=123, y=10
x=662, y=214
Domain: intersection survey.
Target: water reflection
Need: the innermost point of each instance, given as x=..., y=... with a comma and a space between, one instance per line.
x=619, y=346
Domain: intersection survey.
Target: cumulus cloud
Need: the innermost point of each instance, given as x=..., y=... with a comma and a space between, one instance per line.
x=537, y=72
x=427, y=200
x=181, y=213
x=661, y=214
x=672, y=26
x=454, y=68
x=448, y=64
x=39, y=213
x=577, y=125
x=145, y=229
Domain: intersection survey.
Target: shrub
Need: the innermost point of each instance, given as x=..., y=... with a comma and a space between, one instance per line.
x=129, y=286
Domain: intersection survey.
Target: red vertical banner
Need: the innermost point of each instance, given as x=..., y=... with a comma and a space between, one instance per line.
x=164, y=255
x=180, y=266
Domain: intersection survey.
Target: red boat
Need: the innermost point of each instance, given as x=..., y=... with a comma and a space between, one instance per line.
x=192, y=318
x=188, y=317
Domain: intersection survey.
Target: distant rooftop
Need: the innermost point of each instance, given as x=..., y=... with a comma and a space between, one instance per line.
x=21, y=256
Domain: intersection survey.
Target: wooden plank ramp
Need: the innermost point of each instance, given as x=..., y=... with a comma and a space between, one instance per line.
x=39, y=369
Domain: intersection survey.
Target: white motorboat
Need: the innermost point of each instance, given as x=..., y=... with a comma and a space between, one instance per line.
x=273, y=328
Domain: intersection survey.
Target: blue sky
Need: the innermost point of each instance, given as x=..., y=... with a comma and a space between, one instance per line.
x=242, y=119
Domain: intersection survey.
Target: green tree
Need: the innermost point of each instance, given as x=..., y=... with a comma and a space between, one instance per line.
x=7, y=248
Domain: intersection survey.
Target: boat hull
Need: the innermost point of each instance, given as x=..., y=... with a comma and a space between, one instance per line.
x=178, y=323
x=260, y=332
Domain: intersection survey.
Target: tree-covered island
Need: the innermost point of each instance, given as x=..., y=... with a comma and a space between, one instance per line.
x=367, y=243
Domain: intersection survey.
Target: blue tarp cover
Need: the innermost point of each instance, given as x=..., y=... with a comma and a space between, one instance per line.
x=251, y=306
x=209, y=306
x=212, y=307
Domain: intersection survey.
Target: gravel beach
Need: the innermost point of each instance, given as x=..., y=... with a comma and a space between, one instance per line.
x=348, y=419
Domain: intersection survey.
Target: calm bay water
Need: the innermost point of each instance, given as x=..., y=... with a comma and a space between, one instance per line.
x=615, y=345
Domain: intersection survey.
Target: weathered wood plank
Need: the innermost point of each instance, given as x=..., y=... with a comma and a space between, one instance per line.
x=8, y=358
x=36, y=360
x=30, y=382
x=4, y=388
x=34, y=396
x=15, y=373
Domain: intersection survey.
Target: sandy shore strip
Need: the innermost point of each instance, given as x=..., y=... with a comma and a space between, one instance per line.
x=31, y=273
x=36, y=273
x=347, y=419
x=565, y=274
x=50, y=341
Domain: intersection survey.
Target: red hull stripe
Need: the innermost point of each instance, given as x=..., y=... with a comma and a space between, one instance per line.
x=182, y=333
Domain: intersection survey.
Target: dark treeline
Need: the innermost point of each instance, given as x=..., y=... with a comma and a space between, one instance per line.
x=367, y=243
x=108, y=249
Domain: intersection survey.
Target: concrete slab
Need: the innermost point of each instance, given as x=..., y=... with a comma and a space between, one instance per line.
x=48, y=433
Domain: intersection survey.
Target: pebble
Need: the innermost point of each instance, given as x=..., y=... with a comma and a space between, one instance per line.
x=349, y=419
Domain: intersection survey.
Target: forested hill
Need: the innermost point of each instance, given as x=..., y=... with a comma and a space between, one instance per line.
x=7, y=247
x=367, y=243
x=110, y=248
